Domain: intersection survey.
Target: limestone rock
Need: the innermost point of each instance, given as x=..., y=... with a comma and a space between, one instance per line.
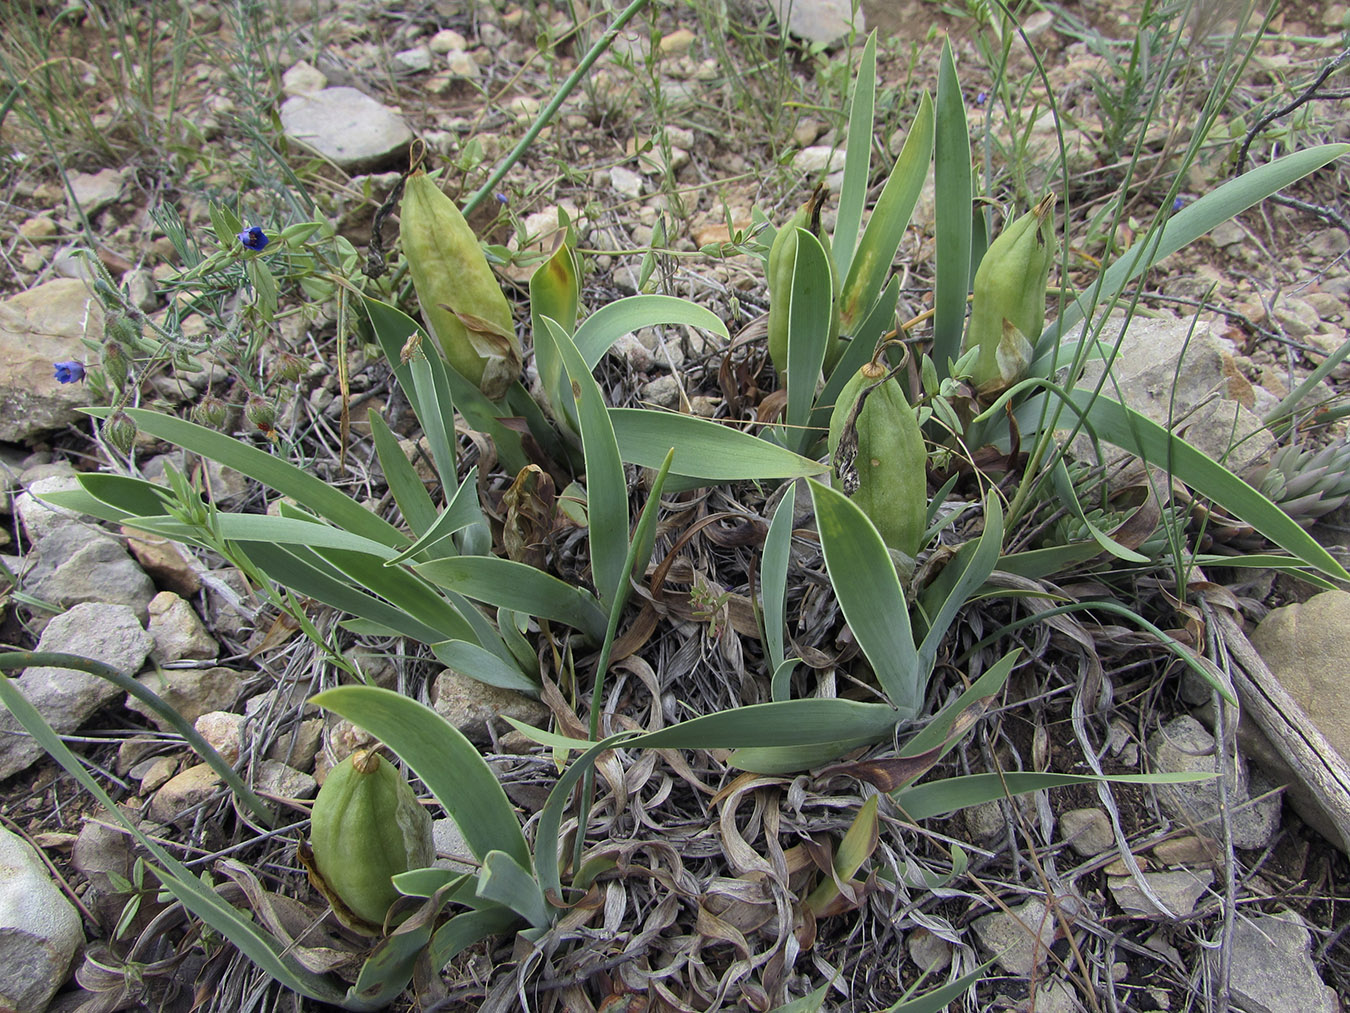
x=1088, y=831
x=183, y=792
x=625, y=182
x=192, y=692
x=178, y=632
x=412, y=61
x=299, y=746
x=1179, y=890
x=930, y=952
x=470, y=705
x=1019, y=938
x=447, y=40
x=826, y=21
x=1272, y=969
x=303, y=79
x=74, y=565
x=164, y=561
x=64, y=697
x=1165, y=369
x=39, y=928
x=40, y=327
x=348, y=127
x=1184, y=745
x=1307, y=648
x=664, y=392
x=101, y=852
x=816, y=159
x=38, y=517
x=94, y=191
x=224, y=731
x=276, y=778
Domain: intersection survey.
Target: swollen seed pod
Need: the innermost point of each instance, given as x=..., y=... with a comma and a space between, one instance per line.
x=1008, y=308
x=782, y=263
x=120, y=431
x=210, y=412
x=116, y=366
x=367, y=827
x=462, y=304
x=879, y=457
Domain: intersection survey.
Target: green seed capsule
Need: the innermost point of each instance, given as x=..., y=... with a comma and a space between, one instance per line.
x=879, y=457
x=1008, y=308
x=780, y=268
x=366, y=827
x=462, y=304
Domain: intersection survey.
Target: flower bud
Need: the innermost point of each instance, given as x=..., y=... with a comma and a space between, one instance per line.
x=367, y=827
x=262, y=414
x=288, y=367
x=211, y=412
x=120, y=431
x=462, y=303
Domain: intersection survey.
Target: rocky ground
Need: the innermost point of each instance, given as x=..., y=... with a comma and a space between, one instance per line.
x=1231, y=891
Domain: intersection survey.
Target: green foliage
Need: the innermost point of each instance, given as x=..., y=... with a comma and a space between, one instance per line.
x=434, y=575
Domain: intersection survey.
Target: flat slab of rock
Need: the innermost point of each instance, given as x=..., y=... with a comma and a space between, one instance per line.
x=824, y=21
x=347, y=127
x=39, y=928
x=38, y=328
x=1183, y=744
x=94, y=191
x=65, y=697
x=1180, y=891
x=1166, y=370
x=1272, y=969
x=74, y=565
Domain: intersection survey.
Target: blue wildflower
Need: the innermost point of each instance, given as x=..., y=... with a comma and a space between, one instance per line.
x=69, y=372
x=501, y=198
x=253, y=238
x=1179, y=203
x=981, y=98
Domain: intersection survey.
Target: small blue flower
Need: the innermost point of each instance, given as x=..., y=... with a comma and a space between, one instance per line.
x=501, y=198
x=253, y=238
x=1179, y=203
x=981, y=98
x=69, y=372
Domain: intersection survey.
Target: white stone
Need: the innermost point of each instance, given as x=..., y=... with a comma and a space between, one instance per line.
x=447, y=40
x=40, y=929
x=39, y=518
x=625, y=181
x=826, y=21
x=94, y=191
x=303, y=79
x=816, y=159
x=66, y=697
x=348, y=127
x=39, y=327
x=413, y=61
x=460, y=64
x=223, y=731
x=178, y=632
